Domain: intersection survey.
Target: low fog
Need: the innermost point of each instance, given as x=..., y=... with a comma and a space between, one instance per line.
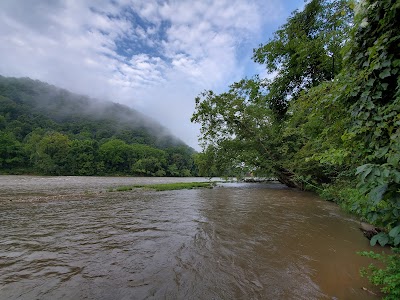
x=62, y=105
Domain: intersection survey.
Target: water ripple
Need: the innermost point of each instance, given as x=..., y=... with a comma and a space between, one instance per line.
x=232, y=242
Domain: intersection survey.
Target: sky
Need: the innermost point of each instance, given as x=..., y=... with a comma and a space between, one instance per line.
x=154, y=56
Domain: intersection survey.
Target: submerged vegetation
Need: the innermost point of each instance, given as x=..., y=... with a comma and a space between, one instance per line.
x=328, y=120
x=164, y=186
x=50, y=131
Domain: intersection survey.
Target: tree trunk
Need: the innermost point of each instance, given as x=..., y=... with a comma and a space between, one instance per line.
x=286, y=177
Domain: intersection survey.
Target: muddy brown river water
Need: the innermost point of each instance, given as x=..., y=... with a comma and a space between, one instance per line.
x=68, y=238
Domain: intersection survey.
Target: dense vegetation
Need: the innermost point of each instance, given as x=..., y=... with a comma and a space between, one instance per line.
x=328, y=120
x=50, y=131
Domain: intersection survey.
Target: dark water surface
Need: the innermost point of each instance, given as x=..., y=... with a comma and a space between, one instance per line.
x=67, y=238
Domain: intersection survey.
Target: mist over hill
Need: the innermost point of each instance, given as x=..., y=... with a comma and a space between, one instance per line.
x=63, y=107
x=35, y=116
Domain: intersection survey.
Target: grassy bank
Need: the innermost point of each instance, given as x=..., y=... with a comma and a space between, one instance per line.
x=164, y=186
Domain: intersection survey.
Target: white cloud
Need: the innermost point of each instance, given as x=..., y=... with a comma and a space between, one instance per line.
x=158, y=65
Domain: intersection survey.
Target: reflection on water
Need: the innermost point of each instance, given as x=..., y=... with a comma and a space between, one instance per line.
x=236, y=241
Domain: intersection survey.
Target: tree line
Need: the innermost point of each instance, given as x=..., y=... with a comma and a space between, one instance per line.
x=48, y=131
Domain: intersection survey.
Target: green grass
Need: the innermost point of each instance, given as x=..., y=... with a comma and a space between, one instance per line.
x=164, y=186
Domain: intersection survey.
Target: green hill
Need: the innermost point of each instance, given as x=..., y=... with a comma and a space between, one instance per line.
x=48, y=130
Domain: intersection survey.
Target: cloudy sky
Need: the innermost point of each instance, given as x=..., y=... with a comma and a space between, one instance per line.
x=155, y=56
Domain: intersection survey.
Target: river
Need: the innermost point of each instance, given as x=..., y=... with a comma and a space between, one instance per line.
x=68, y=238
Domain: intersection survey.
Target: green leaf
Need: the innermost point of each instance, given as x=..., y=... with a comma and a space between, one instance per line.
x=384, y=86
x=363, y=168
x=382, y=151
x=396, y=176
x=396, y=240
x=370, y=104
x=394, y=159
x=377, y=172
x=382, y=238
x=376, y=194
x=373, y=240
x=386, y=173
x=385, y=73
x=395, y=231
x=370, y=82
x=377, y=95
x=365, y=174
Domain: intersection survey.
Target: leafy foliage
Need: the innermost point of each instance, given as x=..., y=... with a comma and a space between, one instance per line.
x=305, y=51
x=249, y=127
x=46, y=130
x=236, y=131
x=318, y=119
x=389, y=277
x=373, y=91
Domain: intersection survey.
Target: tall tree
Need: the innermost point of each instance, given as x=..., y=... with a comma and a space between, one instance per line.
x=239, y=127
x=82, y=157
x=11, y=152
x=245, y=125
x=51, y=154
x=305, y=51
x=117, y=156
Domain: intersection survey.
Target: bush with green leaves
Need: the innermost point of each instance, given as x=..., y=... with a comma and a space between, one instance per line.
x=388, y=278
x=373, y=94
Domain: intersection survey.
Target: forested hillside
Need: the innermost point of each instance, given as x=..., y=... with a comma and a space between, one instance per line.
x=47, y=130
x=328, y=120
